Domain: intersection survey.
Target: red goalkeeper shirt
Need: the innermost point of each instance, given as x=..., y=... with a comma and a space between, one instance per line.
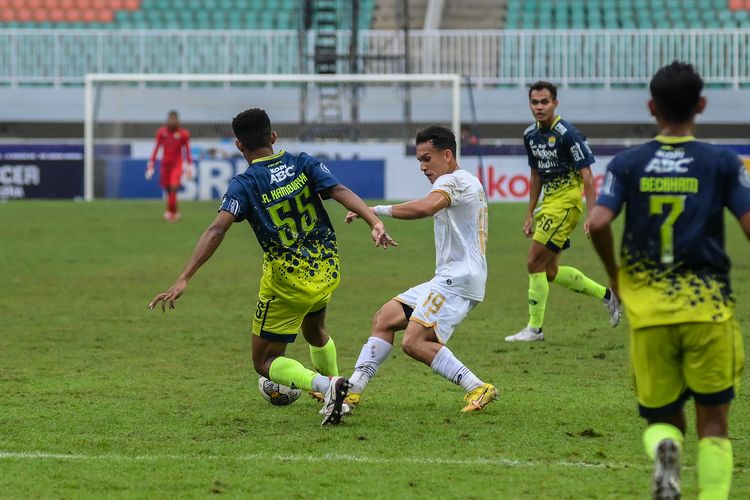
x=172, y=142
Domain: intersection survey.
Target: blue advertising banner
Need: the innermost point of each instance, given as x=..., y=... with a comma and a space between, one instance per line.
x=125, y=178
x=41, y=171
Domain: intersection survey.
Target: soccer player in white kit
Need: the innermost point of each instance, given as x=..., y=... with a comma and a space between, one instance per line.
x=430, y=312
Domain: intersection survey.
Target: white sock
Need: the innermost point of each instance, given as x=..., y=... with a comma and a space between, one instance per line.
x=321, y=383
x=447, y=365
x=372, y=355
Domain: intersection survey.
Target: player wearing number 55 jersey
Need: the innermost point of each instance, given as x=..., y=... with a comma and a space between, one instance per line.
x=431, y=311
x=280, y=195
x=674, y=280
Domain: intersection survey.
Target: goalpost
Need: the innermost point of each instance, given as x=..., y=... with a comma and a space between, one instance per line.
x=434, y=90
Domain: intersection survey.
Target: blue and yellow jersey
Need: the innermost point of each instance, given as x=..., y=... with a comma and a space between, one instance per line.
x=279, y=196
x=558, y=153
x=673, y=265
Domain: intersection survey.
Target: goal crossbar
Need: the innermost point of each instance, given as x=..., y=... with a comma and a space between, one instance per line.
x=92, y=79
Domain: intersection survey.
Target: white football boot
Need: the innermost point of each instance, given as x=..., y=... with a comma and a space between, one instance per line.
x=528, y=334
x=666, y=485
x=614, y=307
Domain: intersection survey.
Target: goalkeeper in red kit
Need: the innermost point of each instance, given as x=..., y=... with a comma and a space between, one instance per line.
x=172, y=138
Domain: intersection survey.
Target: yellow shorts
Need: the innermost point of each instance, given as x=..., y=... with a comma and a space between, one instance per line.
x=673, y=362
x=554, y=224
x=279, y=320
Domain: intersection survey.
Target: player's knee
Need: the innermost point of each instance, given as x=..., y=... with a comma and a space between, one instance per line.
x=551, y=273
x=712, y=421
x=381, y=320
x=535, y=264
x=407, y=345
x=261, y=365
x=410, y=345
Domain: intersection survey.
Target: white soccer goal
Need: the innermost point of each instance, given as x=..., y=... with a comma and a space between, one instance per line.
x=125, y=110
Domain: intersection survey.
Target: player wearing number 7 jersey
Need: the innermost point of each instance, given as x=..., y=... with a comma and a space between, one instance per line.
x=431, y=311
x=280, y=195
x=674, y=280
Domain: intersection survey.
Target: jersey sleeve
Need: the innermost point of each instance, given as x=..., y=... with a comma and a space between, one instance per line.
x=451, y=187
x=737, y=187
x=576, y=145
x=612, y=194
x=321, y=177
x=235, y=201
x=533, y=162
x=157, y=144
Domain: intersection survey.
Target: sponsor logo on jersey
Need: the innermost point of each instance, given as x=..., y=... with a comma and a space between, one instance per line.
x=280, y=173
x=669, y=161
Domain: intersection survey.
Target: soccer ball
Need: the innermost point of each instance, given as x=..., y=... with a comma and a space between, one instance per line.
x=277, y=394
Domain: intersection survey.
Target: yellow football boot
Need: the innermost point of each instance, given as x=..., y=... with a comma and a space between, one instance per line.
x=353, y=399
x=480, y=397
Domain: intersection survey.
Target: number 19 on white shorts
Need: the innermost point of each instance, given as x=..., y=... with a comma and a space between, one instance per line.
x=436, y=307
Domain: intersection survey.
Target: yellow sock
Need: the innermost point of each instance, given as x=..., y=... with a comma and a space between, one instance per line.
x=290, y=372
x=715, y=462
x=538, y=292
x=573, y=279
x=324, y=359
x=656, y=433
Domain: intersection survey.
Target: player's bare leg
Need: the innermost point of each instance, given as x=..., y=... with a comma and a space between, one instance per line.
x=389, y=319
x=715, y=456
x=663, y=440
x=421, y=343
x=264, y=354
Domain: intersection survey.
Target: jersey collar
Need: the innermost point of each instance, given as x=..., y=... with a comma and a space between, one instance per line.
x=554, y=122
x=671, y=139
x=272, y=157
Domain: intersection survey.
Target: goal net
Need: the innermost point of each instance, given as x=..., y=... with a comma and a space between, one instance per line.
x=346, y=120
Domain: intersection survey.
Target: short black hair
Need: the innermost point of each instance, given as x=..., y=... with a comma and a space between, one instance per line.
x=676, y=90
x=173, y=113
x=252, y=128
x=541, y=85
x=440, y=137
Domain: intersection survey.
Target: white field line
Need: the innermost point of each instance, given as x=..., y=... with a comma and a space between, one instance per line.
x=497, y=462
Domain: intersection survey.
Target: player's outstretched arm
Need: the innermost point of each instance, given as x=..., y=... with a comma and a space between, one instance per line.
x=604, y=244
x=207, y=245
x=359, y=208
x=535, y=190
x=416, y=209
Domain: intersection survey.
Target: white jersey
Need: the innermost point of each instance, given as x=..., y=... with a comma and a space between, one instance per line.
x=461, y=236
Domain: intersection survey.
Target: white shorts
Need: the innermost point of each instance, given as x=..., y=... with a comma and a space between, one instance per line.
x=437, y=308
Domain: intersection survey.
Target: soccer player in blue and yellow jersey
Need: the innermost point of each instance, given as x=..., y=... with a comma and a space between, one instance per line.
x=560, y=160
x=280, y=196
x=674, y=280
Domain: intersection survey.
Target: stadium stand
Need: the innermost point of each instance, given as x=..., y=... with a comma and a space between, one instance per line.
x=387, y=15
x=474, y=14
x=627, y=14
x=159, y=14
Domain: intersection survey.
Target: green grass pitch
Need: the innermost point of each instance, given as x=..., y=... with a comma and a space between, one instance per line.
x=100, y=397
